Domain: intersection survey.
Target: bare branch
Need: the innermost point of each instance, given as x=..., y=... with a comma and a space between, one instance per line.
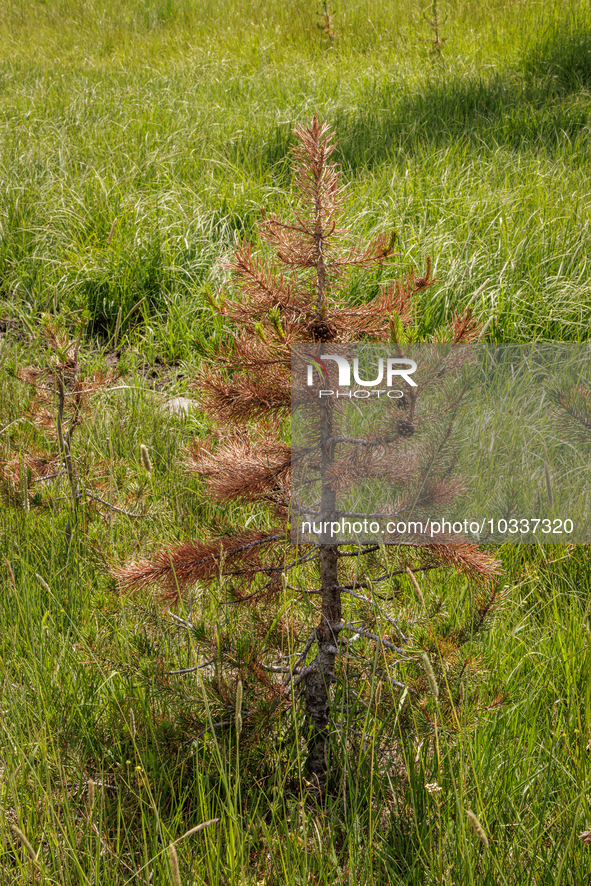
x=193, y=669
x=108, y=504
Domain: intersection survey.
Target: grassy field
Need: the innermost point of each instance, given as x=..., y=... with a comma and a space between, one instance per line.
x=138, y=142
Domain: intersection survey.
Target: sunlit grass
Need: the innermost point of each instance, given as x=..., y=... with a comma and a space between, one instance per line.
x=138, y=142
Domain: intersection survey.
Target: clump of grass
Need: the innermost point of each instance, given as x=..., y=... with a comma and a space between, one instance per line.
x=561, y=55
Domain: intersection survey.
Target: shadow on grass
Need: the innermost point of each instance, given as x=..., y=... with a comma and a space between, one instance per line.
x=534, y=106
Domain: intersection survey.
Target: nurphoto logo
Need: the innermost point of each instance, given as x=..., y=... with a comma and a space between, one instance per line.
x=396, y=368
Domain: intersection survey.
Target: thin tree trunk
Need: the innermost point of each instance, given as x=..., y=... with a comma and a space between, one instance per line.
x=318, y=681
x=327, y=632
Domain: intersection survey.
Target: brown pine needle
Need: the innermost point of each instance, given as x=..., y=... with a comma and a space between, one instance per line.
x=111, y=232
x=10, y=572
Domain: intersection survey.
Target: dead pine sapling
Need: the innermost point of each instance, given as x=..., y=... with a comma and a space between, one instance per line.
x=63, y=391
x=326, y=24
x=434, y=24
x=297, y=298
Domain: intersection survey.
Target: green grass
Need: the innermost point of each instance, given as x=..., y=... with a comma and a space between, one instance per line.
x=174, y=118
